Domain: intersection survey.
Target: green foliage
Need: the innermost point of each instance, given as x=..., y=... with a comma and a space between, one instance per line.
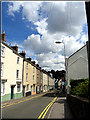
x=81, y=89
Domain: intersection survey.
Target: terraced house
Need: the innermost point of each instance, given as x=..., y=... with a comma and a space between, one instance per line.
x=29, y=76
x=45, y=81
x=11, y=71
x=38, y=80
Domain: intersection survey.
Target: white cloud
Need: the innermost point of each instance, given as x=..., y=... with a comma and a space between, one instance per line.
x=55, y=22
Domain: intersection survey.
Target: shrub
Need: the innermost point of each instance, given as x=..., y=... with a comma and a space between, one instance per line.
x=81, y=89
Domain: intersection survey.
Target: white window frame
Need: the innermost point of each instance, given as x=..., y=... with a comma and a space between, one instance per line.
x=33, y=77
x=17, y=76
x=18, y=60
x=33, y=70
x=27, y=77
x=2, y=51
x=17, y=87
x=2, y=68
x=27, y=87
x=3, y=88
x=27, y=66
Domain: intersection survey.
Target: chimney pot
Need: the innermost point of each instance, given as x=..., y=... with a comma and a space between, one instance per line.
x=3, y=36
x=15, y=48
x=23, y=54
x=29, y=59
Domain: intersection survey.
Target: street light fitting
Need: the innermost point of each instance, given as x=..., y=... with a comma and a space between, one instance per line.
x=58, y=42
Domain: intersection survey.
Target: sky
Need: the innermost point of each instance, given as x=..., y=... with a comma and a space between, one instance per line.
x=35, y=26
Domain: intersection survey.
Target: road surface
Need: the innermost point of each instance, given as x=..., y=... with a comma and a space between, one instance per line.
x=28, y=109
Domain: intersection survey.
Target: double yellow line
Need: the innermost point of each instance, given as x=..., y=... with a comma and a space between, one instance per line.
x=42, y=115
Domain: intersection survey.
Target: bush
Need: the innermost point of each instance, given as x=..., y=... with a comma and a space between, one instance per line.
x=81, y=89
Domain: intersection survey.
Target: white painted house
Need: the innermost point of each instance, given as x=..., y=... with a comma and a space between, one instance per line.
x=11, y=71
x=77, y=65
x=45, y=81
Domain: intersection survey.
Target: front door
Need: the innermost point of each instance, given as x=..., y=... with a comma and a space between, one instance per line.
x=23, y=90
x=31, y=90
x=12, y=92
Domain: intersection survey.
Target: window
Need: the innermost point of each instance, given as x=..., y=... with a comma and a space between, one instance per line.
x=18, y=87
x=17, y=74
x=33, y=77
x=17, y=60
x=3, y=88
x=1, y=69
x=33, y=69
x=33, y=88
x=27, y=66
x=27, y=87
x=2, y=50
x=26, y=76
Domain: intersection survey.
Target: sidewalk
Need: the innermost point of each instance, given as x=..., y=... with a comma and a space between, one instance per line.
x=60, y=110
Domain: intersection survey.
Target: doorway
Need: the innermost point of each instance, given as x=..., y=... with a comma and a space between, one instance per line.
x=31, y=90
x=12, y=92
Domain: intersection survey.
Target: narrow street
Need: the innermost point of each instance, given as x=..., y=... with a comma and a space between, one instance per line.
x=30, y=108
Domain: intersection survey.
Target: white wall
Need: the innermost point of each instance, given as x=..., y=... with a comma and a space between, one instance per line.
x=77, y=65
x=9, y=69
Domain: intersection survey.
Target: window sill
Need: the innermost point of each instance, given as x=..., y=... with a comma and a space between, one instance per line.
x=2, y=94
x=19, y=92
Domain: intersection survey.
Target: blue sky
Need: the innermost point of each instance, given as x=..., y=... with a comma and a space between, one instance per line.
x=35, y=26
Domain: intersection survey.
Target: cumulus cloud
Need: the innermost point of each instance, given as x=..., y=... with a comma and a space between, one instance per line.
x=54, y=21
x=66, y=17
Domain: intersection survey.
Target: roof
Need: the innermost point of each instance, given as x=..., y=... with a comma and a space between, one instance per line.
x=11, y=48
x=76, y=51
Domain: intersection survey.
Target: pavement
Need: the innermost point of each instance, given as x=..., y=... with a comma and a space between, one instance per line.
x=60, y=109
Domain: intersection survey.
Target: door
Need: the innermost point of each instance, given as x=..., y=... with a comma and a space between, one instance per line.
x=31, y=90
x=23, y=90
x=12, y=92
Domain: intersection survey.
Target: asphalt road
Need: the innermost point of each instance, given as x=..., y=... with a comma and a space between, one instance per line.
x=27, y=109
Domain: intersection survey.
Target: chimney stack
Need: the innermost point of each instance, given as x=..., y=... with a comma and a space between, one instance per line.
x=3, y=36
x=37, y=65
x=23, y=54
x=15, y=48
x=29, y=59
x=33, y=62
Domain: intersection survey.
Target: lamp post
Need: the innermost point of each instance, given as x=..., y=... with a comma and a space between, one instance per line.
x=58, y=42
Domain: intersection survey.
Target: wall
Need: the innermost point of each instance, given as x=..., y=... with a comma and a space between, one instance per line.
x=79, y=106
x=9, y=72
x=77, y=65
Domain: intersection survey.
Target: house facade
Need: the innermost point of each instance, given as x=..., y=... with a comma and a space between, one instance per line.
x=77, y=65
x=38, y=80
x=45, y=83
x=11, y=71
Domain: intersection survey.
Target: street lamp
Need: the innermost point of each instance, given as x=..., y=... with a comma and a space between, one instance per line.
x=58, y=42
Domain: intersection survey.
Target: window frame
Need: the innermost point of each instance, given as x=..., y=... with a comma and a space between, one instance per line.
x=26, y=77
x=19, y=83
x=2, y=67
x=2, y=51
x=3, y=88
x=27, y=87
x=17, y=74
x=27, y=66
x=18, y=60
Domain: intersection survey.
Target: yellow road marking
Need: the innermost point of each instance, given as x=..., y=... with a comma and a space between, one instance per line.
x=42, y=115
x=24, y=100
